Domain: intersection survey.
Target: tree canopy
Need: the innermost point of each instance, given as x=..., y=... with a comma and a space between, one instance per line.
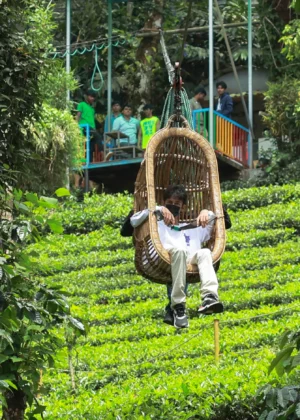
x=138, y=63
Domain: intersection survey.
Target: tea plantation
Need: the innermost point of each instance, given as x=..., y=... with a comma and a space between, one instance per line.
x=133, y=366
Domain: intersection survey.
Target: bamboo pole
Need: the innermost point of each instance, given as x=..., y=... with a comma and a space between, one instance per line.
x=190, y=30
x=217, y=340
x=68, y=40
x=109, y=64
x=211, y=72
x=250, y=83
x=234, y=67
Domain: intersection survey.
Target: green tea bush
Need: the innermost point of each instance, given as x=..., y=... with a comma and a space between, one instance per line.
x=272, y=217
x=251, y=198
x=96, y=212
x=131, y=365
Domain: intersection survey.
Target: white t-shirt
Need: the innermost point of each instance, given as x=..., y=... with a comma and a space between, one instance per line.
x=189, y=240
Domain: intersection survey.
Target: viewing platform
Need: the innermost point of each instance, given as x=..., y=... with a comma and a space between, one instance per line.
x=116, y=168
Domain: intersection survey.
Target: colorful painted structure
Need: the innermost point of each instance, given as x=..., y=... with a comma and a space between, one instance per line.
x=230, y=144
x=230, y=138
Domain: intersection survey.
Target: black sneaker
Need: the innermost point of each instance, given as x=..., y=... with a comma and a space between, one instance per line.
x=169, y=315
x=211, y=305
x=180, y=316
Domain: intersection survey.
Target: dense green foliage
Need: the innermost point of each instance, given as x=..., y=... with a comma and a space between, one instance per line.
x=138, y=63
x=20, y=67
x=283, y=114
x=282, y=98
x=39, y=137
x=35, y=140
x=30, y=312
x=55, y=135
x=131, y=365
x=291, y=35
x=283, y=403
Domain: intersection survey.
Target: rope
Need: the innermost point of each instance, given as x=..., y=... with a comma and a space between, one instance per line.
x=96, y=69
x=168, y=109
x=94, y=47
x=170, y=68
x=89, y=41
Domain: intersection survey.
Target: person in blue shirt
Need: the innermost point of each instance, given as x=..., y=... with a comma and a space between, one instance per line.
x=115, y=113
x=225, y=104
x=127, y=125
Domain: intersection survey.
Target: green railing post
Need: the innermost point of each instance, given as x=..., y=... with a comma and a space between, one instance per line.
x=250, y=85
x=215, y=132
x=109, y=63
x=68, y=41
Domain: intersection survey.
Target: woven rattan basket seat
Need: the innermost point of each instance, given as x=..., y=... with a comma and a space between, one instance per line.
x=176, y=156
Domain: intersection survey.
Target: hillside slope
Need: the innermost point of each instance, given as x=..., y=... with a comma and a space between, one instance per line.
x=131, y=365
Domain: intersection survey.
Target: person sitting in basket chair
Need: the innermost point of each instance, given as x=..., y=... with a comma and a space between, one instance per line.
x=169, y=314
x=185, y=247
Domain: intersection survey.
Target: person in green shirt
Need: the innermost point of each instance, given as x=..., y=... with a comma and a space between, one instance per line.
x=149, y=126
x=86, y=115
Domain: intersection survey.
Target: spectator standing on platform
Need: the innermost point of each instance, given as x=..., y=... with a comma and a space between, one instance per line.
x=195, y=104
x=86, y=115
x=127, y=125
x=199, y=95
x=115, y=113
x=149, y=126
x=225, y=103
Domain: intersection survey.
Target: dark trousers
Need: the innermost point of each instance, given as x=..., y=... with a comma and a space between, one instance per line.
x=95, y=139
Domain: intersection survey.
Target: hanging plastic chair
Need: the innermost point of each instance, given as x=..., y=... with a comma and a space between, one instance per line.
x=176, y=155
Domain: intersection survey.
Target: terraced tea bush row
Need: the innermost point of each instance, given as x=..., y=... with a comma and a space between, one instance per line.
x=152, y=326
x=108, y=239
x=131, y=366
x=109, y=210
x=257, y=257
x=272, y=217
x=258, y=238
x=77, y=262
x=233, y=300
x=250, y=198
x=185, y=392
x=99, y=287
x=260, y=258
x=95, y=212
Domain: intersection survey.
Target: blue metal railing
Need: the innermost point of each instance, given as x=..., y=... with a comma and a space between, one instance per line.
x=87, y=147
x=230, y=138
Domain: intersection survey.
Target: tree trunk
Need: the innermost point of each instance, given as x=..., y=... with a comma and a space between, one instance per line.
x=147, y=51
x=16, y=405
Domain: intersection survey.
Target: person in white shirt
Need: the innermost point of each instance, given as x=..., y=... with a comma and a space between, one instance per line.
x=185, y=247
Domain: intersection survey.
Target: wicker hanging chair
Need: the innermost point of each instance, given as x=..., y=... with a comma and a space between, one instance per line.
x=176, y=155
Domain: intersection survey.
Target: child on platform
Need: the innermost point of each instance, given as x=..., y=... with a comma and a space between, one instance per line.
x=185, y=247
